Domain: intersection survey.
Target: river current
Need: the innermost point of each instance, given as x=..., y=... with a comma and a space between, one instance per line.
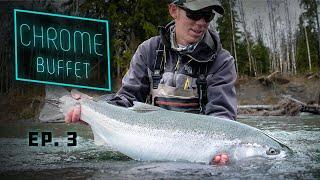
x=86, y=160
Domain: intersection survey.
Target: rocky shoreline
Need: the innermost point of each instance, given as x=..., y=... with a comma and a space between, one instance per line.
x=278, y=95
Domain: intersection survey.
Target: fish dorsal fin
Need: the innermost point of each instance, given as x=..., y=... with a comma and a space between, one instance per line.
x=144, y=108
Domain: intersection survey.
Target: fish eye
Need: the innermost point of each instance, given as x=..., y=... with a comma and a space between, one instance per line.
x=273, y=151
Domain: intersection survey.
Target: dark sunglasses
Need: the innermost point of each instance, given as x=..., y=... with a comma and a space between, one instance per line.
x=207, y=15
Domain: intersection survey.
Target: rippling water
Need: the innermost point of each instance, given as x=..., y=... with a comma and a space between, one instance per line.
x=86, y=160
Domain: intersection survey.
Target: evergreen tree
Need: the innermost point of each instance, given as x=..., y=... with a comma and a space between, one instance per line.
x=243, y=58
x=261, y=54
x=307, y=28
x=227, y=27
x=131, y=22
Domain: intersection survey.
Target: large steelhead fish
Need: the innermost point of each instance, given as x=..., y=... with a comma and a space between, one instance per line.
x=146, y=132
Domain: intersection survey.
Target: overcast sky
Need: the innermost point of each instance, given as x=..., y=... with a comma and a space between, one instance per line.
x=254, y=9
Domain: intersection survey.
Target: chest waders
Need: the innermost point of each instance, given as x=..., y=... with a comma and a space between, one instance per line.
x=177, y=99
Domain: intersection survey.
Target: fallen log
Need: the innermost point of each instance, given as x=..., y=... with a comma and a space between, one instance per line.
x=272, y=75
x=314, y=109
x=273, y=78
x=267, y=80
x=257, y=107
x=288, y=106
x=294, y=100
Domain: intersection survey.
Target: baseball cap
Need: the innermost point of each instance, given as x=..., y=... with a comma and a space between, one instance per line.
x=195, y=5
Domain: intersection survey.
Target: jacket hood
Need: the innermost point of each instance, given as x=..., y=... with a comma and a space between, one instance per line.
x=205, y=51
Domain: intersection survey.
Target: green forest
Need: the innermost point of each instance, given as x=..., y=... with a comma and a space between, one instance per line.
x=133, y=21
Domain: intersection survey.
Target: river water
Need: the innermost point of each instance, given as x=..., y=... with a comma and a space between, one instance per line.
x=87, y=160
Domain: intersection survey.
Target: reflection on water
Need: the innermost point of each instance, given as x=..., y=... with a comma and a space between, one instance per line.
x=86, y=160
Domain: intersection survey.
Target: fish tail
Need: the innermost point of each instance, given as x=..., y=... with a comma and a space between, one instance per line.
x=52, y=110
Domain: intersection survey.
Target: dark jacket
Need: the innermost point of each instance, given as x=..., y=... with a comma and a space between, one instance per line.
x=221, y=73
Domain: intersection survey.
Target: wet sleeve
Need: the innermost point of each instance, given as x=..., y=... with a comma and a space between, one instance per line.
x=135, y=84
x=221, y=93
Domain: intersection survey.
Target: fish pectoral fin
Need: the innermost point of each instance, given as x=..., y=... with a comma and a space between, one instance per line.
x=143, y=107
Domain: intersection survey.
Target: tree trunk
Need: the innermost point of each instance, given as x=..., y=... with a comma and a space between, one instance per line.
x=118, y=70
x=272, y=24
x=293, y=56
x=251, y=64
x=233, y=38
x=77, y=7
x=1, y=71
x=8, y=72
x=318, y=27
x=308, y=48
x=289, y=40
x=281, y=63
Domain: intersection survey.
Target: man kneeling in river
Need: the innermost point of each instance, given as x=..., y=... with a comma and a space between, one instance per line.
x=184, y=69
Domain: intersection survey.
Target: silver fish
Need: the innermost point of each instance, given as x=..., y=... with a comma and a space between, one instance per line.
x=149, y=133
